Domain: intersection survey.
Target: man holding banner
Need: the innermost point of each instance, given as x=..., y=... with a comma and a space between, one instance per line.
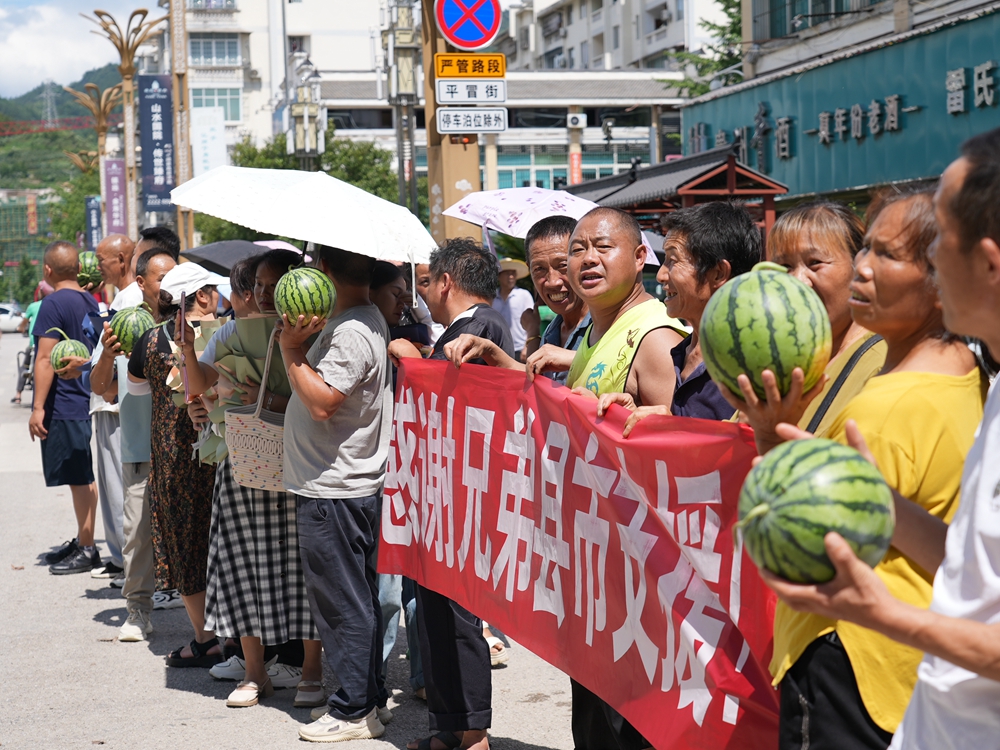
x=456, y=657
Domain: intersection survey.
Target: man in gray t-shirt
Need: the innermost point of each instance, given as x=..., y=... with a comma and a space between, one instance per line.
x=337, y=430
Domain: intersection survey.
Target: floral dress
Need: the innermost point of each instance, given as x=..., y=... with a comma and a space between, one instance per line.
x=180, y=486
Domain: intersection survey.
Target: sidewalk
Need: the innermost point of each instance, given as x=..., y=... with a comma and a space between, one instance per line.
x=68, y=683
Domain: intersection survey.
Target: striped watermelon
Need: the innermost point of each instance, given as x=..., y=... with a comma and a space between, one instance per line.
x=66, y=348
x=90, y=271
x=765, y=320
x=804, y=489
x=304, y=291
x=129, y=324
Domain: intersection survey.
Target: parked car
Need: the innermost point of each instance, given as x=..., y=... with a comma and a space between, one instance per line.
x=10, y=317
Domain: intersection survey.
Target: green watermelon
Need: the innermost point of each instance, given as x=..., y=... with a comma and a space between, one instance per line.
x=304, y=291
x=765, y=320
x=66, y=348
x=129, y=324
x=804, y=489
x=90, y=271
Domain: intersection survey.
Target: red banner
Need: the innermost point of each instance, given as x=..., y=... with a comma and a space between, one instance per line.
x=611, y=559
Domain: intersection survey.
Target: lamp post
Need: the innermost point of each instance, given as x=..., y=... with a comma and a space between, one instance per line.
x=306, y=138
x=99, y=104
x=127, y=42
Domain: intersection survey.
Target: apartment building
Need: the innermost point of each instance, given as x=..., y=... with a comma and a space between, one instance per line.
x=604, y=34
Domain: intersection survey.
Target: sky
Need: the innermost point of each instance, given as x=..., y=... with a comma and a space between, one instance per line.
x=47, y=39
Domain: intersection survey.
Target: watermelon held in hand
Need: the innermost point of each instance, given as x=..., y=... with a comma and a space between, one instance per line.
x=803, y=490
x=90, y=270
x=765, y=320
x=66, y=348
x=129, y=324
x=304, y=291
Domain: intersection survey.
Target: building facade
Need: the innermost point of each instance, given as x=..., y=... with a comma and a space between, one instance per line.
x=889, y=109
x=604, y=34
x=630, y=115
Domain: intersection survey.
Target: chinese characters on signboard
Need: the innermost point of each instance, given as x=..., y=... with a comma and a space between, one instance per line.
x=471, y=120
x=983, y=87
x=114, y=196
x=157, y=139
x=843, y=124
x=483, y=91
x=92, y=208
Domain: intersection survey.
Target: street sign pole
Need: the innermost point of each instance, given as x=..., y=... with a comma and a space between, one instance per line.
x=452, y=161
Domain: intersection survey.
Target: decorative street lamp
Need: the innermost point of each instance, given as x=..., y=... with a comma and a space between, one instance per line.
x=99, y=104
x=306, y=136
x=136, y=31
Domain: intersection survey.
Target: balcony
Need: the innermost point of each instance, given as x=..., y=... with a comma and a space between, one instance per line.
x=774, y=19
x=223, y=5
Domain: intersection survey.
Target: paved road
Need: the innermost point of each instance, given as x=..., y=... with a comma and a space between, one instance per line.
x=68, y=683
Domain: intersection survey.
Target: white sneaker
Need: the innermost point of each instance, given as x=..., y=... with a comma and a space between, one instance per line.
x=284, y=675
x=167, y=599
x=234, y=668
x=329, y=729
x=136, y=628
x=384, y=714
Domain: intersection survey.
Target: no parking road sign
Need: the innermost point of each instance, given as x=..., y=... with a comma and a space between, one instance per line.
x=468, y=24
x=451, y=120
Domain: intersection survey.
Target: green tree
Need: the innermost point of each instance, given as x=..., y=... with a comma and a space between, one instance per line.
x=364, y=165
x=69, y=215
x=726, y=52
x=23, y=289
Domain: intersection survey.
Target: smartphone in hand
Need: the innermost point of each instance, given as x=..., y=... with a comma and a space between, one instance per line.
x=179, y=327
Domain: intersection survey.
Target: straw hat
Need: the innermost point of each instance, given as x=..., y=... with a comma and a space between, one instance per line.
x=517, y=266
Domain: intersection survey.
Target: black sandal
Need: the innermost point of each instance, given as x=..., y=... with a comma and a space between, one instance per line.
x=200, y=656
x=449, y=739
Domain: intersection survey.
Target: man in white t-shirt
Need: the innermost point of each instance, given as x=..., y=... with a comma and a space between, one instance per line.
x=114, y=257
x=512, y=300
x=956, y=702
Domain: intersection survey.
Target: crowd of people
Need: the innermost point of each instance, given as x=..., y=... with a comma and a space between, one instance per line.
x=277, y=583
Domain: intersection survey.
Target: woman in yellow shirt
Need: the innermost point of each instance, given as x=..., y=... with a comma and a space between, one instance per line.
x=843, y=686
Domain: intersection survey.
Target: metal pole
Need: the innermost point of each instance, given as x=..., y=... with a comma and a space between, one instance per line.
x=397, y=116
x=182, y=116
x=411, y=122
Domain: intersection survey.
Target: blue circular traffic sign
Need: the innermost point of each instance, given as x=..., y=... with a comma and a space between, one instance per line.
x=468, y=24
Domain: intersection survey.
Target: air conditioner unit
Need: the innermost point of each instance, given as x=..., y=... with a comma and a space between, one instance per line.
x=559, y=61
x=563, y=32
x=576, y=121
x=666, y=16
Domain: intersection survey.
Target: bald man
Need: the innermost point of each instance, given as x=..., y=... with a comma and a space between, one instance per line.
x=114, y=257
x=60, y=416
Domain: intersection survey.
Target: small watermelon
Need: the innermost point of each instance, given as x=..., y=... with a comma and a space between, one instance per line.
x=90, y=270
x=804, y=489
x=304, y=291
x=66, y=348
x=129, y=324
x=765, y=320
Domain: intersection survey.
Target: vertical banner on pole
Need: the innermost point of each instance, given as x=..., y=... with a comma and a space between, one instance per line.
x=208, y=139
x=114, y=196
x=156, y=136
x=575, y=168
x=92, y=204
x=32, y=213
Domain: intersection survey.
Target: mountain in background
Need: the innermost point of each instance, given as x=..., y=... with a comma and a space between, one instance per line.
x=36, y=160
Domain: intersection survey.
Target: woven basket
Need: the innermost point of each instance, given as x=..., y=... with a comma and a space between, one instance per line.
x=256, y=438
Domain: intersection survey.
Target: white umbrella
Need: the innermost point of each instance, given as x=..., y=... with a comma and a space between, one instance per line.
x=310, y=206
x=514, y=211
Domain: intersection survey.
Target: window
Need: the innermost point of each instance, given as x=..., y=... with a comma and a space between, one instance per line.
x=215, y=49
x=572, y=58
x=298, y=44
x=680, y=10
x=584, y=55
x=637, y=27
x=569, y=15
x=583, y=9
x=615, y=34
x=228, y=99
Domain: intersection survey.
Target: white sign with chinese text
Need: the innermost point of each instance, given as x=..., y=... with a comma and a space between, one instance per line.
x=471, y=91
x=452, y=120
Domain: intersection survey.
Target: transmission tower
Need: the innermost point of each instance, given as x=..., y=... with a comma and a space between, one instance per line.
x=49, y=98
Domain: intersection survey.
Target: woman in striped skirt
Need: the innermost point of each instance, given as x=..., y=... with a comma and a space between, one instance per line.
x=256, y=591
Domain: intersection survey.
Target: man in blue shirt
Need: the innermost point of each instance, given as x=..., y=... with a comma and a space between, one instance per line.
x=60, y=416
